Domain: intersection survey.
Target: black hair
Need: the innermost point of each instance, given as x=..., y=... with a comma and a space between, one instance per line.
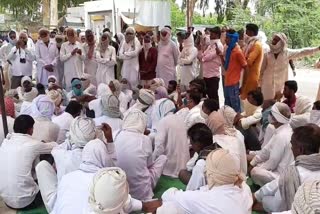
x=106, y=30
x=23, y=123
x=211, y=104
x=195, y=97
x=292, y=85
x=41, y=89
x=12, y=32
x=216, y=30
x=200, y=84
x=200, y=133
x=317, y=105
x=231, y=31
x=168, y=26
x=75, y=78
x=253, y=27
x=74, y=108
x=174, y=83
x=257, y=96
x=308, y=137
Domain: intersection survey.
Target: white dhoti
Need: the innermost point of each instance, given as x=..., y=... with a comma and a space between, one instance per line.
x=262, y=176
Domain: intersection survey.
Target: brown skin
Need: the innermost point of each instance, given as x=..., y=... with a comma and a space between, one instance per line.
x=205, y=110
x=151, y=206
x=27, y=86
x=170, y=89
x=111, y=86
x=184, y=176
x=89, y=37
x=250, y=33
x=107, y=131
x=214, y=36
x=30, y=131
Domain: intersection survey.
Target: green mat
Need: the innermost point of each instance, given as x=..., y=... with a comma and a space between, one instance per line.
x=165, y=183
x=40, y=210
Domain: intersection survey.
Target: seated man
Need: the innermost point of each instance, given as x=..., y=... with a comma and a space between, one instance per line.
x=289, y=93
x=278, y=195
x=268, y=163
x=26, y=94
x=249, y=121
x=172, y=90
x=208, y=106
x=18, y=153
x=315, y=113
x=302, y=110
x=225, y=193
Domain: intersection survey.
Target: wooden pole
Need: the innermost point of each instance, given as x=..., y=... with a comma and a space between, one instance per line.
x=188, y=13
x=3, y=108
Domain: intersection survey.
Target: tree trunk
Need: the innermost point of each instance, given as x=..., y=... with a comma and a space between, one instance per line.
x=46, y=12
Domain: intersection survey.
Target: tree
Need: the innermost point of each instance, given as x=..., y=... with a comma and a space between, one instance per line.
x=203, y=5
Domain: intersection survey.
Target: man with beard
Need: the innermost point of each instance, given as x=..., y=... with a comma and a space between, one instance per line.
x=274, y=70
x=90, y=63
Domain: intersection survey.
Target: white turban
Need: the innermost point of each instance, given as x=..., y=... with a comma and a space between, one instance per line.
x=82, y=130
x=95, y=156
x=135, y=120
x=229, y=114
x=109, y=191
x=52, y=77
x=25, y=78
x=42, y=106
x=146, y=97
x=303, y=105
x=222, y=169
x=55, y=96
x=86, y=80
x=111, y=106
x=277, y=108
x=131, y=30
x=307, y=198
x=103, y=89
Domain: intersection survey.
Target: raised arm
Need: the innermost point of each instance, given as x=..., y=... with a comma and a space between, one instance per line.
x=299, y=53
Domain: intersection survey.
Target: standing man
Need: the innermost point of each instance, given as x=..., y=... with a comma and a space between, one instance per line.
x=211, y=63
x=274, y=70
x=4, y=53
x=21, y=59
x=168, y=54
x=147, y=61
x=46, y=55
x=72, y=55
x=90, y=63
x=129, y=53
x=254, y=56
x=233, y=62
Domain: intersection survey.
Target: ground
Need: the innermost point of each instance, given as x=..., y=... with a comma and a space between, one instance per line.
x=308, y=83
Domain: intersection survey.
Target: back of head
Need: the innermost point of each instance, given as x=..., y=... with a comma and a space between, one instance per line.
x=281, y=112
x=211, y=104
x=109, y=191
x=42, y=106
x=82, y=130
x=253, y=27
x=216, y=123
x=200, y=133
x=173, y=83
x=135, y=121
x=257, y=96
x=216, y=30
x=303, y=105
x=40, y=88
x=146, y=97
x=111, y=106
x=223, y=169
x=307, y=137
x=23, y=124
x=199, y=85
x=74, y=108
x=306, y=199
x=292, y=85
x=316, y=105
x=195, y=97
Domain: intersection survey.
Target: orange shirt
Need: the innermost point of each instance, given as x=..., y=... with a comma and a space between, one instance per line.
x=237, y=62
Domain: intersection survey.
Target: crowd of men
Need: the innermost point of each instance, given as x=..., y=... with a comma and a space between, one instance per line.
x=94, y=126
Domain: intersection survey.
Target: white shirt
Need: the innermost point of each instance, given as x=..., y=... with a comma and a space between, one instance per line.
x=134, y=156
x=10, y=122
x=114, y=123
x=18, y=68
x=253, y=119
x=63, y=121
x=277, y=155
x=45, y=130
x=226, y=199
x=17, y=157
x=171, y=140
x=26, y=108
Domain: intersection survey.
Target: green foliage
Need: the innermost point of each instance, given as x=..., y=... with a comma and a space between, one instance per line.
x=178, y=17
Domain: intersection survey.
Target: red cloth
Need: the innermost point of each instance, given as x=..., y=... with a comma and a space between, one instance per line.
x=148, y=66
x=9, y=106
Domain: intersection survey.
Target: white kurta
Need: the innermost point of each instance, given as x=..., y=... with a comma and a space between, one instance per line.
x=63, y=121
x=45, y=130
x=18, y=68
x=270, y=197
x=17, y=186
x=226, y=199
x=274, y=158
x=10, y=122
x=90, y=65
x=167, y=61
x=134, y=156
x=46, y=55
x=274, y=72
x=171, y=140
x=73, y=65
x=130, y=56
x=299, y=120
x=106, y=62
x=114, y=123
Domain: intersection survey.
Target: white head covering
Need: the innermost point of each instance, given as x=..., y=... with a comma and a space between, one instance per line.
x=303, y=105
x=315, y=117
x=165, y=106
x=42, y=106
x=53, y=77
x=229, y=114
x=306, y=200
x=275, y=111
x=82, y=130
x=165, y=40
x=111, y=106
x=188, y=42
x=281, y=45
x=135, y=121
x=120, y=37
x=87, y=81
x=117, y=86
x=55, y=96
x=29, y=96
x=95, y=157
x=25, y=78
x=103, y=89
x=146, y=97
x=109, y=191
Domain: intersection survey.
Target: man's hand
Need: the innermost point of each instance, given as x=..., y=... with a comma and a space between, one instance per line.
x=74, y=51
x=178, y=89
x=107, y=131
x=49, y=68
x=151, y=206
x=237, y=119
x=79, y=51
x=278, y=96
x=218, y=52
x=250, y=157
x=19, y=44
